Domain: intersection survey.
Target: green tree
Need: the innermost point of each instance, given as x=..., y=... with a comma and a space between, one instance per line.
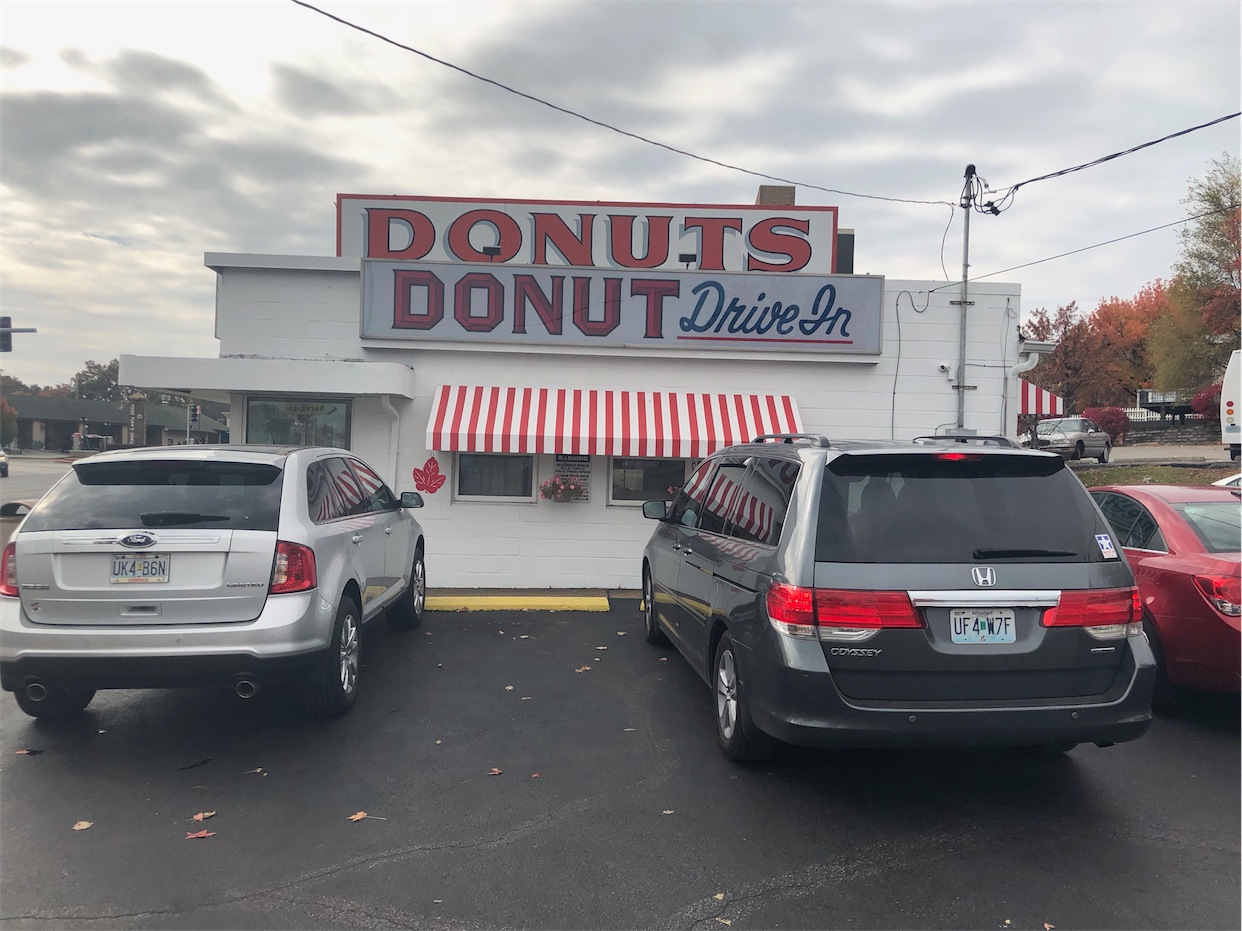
x=8, y=423
x=100, y=382
x=1207, y=288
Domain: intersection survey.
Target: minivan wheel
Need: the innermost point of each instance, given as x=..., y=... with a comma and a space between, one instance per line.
x=1103, y=456
x=651, y=626
x=58, y=703
x=739, y=739
x=333, y=687
x=407, y=612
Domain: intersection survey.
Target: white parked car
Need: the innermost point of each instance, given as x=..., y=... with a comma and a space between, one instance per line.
x=206, y=565
x=1232, y=481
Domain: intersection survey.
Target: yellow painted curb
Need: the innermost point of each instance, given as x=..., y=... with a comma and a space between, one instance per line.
x=517, y=603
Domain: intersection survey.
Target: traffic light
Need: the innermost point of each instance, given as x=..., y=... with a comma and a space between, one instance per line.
x=193, y=413
x=6, y=334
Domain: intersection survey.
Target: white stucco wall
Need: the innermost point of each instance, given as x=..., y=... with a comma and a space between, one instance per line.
x=313, y=313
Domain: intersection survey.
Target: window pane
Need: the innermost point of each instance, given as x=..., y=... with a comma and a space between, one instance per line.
x=297, y=423
x=380, y=498
x=647, y=479
x=172, y=493
x=758, y=515
x=495, y=476
x=322, y=500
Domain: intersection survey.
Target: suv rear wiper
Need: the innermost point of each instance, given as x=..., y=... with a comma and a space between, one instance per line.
x=995, y=553
x=169, y=518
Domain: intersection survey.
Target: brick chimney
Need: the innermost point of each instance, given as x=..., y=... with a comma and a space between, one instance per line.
x=775, y=195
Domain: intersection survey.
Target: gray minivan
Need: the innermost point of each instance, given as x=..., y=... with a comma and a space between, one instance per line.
x=873, y=594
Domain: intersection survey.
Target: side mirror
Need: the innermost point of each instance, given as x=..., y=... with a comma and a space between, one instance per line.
x=656, y=510
x=411, y=499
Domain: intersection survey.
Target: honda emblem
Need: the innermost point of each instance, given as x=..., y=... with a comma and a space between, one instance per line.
x=984, y=576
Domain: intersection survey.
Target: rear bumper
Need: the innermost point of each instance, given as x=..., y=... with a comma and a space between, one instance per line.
x=291, y=634
x=804, y=707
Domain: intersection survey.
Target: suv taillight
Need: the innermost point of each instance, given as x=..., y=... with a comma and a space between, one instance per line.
x=1223, y=592
x=1106, y=613
x=8, y=571
x=293, y=569
x=838, y=614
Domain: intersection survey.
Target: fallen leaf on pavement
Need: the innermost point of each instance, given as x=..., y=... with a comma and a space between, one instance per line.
x=495, y=771
x=202, y=762
x=508, y=688
x=195, y=835
x=257, y=769
x=534, y=775
x=664, y=659
x=668, y=811
x=438, y=742
x=596, y=659
x=437, y=901
x=583, y=669
x=724, y=921
x=620, y=633
x=627, y=729
x=501, y=631
x=719, y=897
x=203, y=816
x=523, y=637
x=29, y=752
x=601, y=648
x=525, y=698
x=1048, y=927
x=82, y=825
x=363, y=816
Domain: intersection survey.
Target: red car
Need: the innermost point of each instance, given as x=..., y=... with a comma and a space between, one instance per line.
x=1182, y=542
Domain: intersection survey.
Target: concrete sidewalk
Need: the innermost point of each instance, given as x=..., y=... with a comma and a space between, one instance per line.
x=1158, y=452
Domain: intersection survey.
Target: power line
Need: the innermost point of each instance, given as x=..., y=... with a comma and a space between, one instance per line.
x=1006, y=198
x=1088, y=248
x=609, y=126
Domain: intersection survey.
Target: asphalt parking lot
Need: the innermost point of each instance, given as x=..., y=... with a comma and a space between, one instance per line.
x=612, y=807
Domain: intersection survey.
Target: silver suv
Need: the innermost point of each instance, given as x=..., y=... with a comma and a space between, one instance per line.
x=870, y=594
x=206, y=565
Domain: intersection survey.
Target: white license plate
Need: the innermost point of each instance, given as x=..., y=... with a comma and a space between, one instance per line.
x=989, y=626
x=152, y=567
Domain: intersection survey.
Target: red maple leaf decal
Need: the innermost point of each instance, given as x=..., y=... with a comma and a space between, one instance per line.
x=429, y=478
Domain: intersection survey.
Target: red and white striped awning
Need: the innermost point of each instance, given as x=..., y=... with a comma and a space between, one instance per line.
x=585, y=421
x=1038, y=401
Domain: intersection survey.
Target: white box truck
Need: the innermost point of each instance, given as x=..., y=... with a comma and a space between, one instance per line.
x=1230, y=396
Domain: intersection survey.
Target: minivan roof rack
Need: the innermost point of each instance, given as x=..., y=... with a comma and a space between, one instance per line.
x=980, y=439
x=814, y=439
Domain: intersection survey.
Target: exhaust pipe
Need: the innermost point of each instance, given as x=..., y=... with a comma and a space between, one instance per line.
x=246, y=688
x=36, y=691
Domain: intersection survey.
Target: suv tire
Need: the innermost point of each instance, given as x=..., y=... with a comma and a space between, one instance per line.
x=333, y=687
x=406, y=612
x=59, y=703
x=740, y=740
x=651, y=626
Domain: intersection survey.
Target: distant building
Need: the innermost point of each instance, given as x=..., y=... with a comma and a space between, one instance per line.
x=61, y=423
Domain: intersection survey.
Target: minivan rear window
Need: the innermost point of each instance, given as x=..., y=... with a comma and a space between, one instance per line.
x=168, y=493
x=925, y=509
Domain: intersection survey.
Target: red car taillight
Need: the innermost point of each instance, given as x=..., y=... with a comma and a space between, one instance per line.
x=1106, y=613
x=1223, y=592
x=829, y=613
x=293, y=569
x=8, y=571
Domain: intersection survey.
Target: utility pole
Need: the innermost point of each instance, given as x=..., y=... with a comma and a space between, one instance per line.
x=966, y=203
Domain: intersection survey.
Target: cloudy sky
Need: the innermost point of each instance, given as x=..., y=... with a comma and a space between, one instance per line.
x=134, y=137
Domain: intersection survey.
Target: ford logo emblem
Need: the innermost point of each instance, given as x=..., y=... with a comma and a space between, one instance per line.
x=138, y=540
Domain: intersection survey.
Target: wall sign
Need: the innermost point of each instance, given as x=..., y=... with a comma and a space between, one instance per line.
x=577, y=469
x=581, y=307
x=588, y=234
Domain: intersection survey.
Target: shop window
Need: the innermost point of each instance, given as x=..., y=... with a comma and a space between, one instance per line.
x=305, y=422
x=493, y=475
x=641, y=480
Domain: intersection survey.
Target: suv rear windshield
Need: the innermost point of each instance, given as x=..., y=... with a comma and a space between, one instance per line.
x=928, y=509
x=169, y=493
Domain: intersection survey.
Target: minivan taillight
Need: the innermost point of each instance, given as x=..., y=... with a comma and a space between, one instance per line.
x=293, y=569
x=838, y=614
x=1223, y=592
x=1106, y=613
x=8, y=571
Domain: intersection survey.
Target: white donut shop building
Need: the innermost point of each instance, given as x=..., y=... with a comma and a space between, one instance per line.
x=538, y=369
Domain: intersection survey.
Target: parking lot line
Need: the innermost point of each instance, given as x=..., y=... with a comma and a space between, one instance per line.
x=517, y=602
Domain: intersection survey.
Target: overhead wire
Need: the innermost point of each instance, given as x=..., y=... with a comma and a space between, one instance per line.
x=608, y=126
